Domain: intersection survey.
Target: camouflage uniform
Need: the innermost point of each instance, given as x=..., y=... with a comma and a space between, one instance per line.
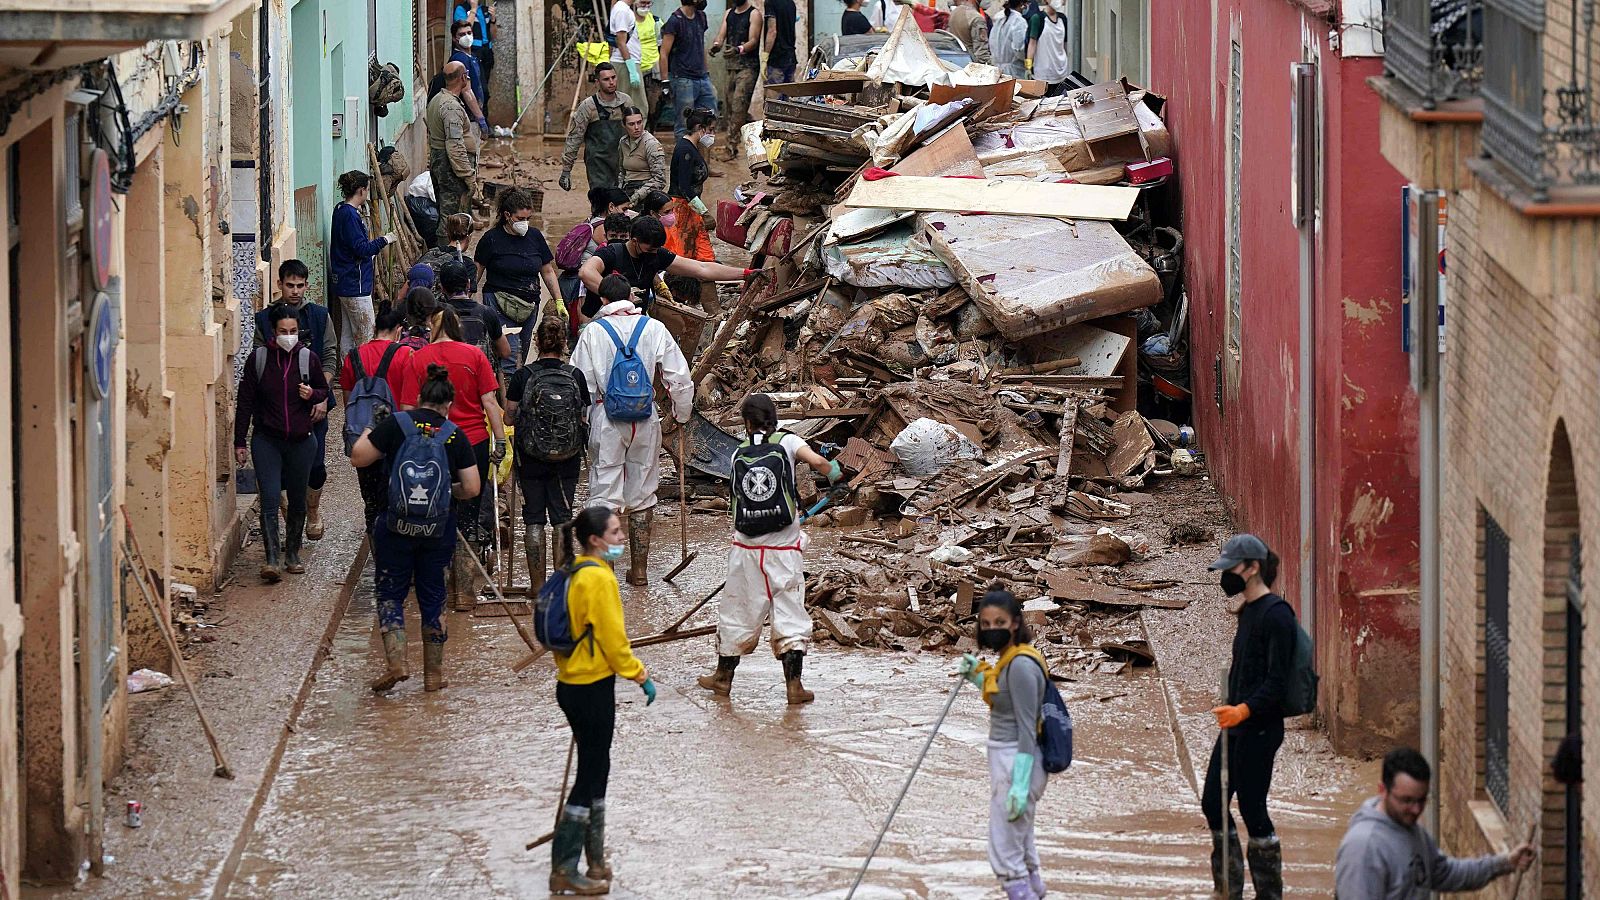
x=452, y=157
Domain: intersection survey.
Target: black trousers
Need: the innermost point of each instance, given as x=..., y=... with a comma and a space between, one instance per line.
x=476, y=516
x=591, y=710
x=1251, y=755
x=374, y=483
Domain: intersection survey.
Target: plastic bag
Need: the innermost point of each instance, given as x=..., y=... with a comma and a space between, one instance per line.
x=926, y=447
x=148, y=680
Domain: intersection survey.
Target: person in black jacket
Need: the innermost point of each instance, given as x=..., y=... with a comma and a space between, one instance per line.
x=1251, y=718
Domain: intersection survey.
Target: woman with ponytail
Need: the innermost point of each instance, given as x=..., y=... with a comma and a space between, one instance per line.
x=586, y=684
x=405, y=556
x=476, y=411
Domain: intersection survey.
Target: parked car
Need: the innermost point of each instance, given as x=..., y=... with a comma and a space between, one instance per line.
x=847, y=51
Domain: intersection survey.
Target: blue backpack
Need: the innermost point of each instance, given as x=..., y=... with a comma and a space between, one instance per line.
x=552, y=620
x=1055, y=729
x=370, y=400
x=629, y=395
x=419, y=479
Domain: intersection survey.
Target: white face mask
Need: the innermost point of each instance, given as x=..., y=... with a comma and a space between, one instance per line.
x=706, y=140
x=464, y=42
x=287, y=341
x=520, y=228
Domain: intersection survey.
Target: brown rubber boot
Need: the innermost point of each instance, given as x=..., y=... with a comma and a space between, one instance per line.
x=394, y=653
x=639, y=547
x=558, y=546
x=314, y=514
x=463, y=590
x=533, y=542
x=433, y=666
x=720, y=682
x=792, y=662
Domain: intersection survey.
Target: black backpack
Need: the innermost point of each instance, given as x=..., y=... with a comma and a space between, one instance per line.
x=763, y=488
x=550, y=415
x=1300, y=687
x=474, y=330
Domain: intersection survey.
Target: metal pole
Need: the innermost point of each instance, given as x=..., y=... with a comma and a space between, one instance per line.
x=1307, y=156
x=1425, y=312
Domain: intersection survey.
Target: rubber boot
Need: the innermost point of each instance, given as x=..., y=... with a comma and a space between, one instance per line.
x=793, y=660
x=720, y=682
x=594, y=843
x=291, y=550
x=1227, y=847
x=559, y=556
x=272, y=562
x=394, y=653
x=533, y=543
x=432, y=665
x=1266, y=867
x=314, y=514
x=1036, y=881
x=1019, y=890
x=565, y=848
x=639, y=547
x=463, y=593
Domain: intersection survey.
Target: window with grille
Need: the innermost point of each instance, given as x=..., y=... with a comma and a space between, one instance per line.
x=1496, y=662
x=1235, y=193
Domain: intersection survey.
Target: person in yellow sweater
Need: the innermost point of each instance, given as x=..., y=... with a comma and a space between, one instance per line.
x=586, y=691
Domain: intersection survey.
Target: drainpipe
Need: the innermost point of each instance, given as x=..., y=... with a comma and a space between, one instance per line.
x=1427, y=311
x=1306, y=158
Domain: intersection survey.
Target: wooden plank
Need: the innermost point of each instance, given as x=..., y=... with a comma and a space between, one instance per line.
x=1021, y=198
x=842, y=118
x=826, y=83
x=1070, y=585
x=795, y=293
x=950, y=153
x=1069, y=431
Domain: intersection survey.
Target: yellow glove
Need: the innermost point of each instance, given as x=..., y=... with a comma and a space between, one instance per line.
x=502, y=469
x=1231, y=716
x=561, y=312
x=1028, y=64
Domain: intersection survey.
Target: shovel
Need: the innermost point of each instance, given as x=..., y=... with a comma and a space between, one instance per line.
x=683, y=503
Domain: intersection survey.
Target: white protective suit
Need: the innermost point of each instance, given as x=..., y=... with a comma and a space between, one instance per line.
x=625, y=457
x=1008, y=44
x=766, y=576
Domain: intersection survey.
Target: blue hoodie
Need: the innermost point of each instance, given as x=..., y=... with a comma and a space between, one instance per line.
x=350, y=253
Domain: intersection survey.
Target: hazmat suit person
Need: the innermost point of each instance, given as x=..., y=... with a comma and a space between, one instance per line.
x=766, y=571
x=597, y=127
x=452, y=148
x=1014, y=688
x=625, y=457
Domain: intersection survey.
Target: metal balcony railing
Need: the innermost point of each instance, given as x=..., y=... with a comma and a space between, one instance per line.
x=1544, y=137
x=1435, y=47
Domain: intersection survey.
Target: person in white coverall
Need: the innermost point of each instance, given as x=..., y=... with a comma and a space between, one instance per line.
x=766, y=572
x=625, y=457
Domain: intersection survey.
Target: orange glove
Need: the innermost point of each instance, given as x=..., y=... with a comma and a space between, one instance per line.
x=1231, y=716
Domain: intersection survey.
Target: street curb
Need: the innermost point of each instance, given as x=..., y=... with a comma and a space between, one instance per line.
x=230, y=866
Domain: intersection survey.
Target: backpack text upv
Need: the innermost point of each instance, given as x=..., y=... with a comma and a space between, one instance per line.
x=550, y=416
x=763, y=486
x=419, y=479
x=370, y=400
x=629, y=395
x=552, y=619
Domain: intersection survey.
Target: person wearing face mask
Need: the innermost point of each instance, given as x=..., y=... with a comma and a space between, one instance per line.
x=481, y=16
x=1251, y=717
x=741, y=32
x=625, y=50
x=1014, y=688
x=586, y=685
x=452, y=148
x=282, y=383
x=642, y=258
x=514, y=258
x=683, y=61
x=1008, y=40
x=1047, y=48
x=597, y=127
x=644, y=162
x=689, y=174
x=476, y=99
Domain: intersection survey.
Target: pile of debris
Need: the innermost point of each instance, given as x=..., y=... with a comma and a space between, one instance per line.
x=961, y=280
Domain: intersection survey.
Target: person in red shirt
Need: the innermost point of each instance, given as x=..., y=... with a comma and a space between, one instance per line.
x=374, y=479
x=476, y=411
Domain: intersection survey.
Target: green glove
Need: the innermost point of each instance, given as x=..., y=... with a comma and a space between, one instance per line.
x=698, y=205
x=1021, y=776
x=633, y=72
x=969, y=669
x=835, y=471
x=649, y=688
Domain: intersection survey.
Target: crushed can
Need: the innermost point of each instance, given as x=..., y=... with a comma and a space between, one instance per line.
x=135, y=814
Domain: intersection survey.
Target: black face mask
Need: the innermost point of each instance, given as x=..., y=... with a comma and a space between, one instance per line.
x=699, y=4
x=994, y=638
x=1232, y=583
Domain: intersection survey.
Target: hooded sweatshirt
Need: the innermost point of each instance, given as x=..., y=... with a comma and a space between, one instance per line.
x=1380, y=859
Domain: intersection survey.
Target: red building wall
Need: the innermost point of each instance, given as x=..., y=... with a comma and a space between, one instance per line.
x=1364, y=448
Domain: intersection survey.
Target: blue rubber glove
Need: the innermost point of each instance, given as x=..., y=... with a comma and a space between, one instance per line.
x=483, y=125
x=1021, y=776
x=649, y=688
x=633, y=72
x=835, y=471
x=969, y=669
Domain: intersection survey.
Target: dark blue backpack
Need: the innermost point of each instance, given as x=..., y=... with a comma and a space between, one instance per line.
x=552, y=620
x=419, y=479
x=370, y=400
x=1055, y=728
x=629, y=394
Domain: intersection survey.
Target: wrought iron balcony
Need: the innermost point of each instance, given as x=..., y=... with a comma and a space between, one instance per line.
x=1544, y=137
x=1435, y=47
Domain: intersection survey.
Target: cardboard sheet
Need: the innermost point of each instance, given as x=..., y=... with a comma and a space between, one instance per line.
x=1073, y=201
x=948, y=154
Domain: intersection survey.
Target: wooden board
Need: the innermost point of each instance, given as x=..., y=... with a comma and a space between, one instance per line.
x=825, y=83
x=950, y=153
x=1020, y=198
x=1069, y=585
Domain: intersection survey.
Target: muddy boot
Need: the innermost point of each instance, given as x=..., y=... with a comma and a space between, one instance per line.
x=533, y=542
x=1266, y=867
x=272, y=563
x=463, y=593
x=433, y=665
x=720, y=682
x=565, y=848
x=1036, y=881
x=314, y=514
x=1235, y=863
x=594, y=843
x=639, y=547
x=1018, y=890
x=793, y=660
x=291, y=549
x=394, y=653
x=558, y=546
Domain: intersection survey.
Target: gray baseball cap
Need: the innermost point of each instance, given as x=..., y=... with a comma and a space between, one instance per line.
x=1240, y=548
